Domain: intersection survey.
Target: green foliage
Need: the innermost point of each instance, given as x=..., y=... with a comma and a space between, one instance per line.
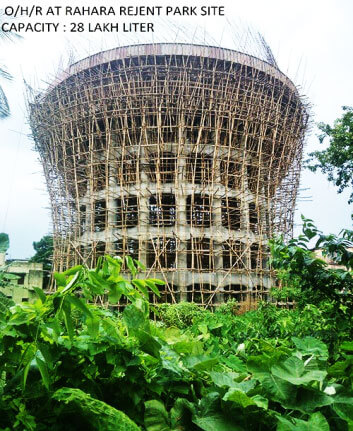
x=337, y=160
x=64, y=341
x=101, y=416
x=311, y=277
x=6, y=278
x=5, y=303
x=316, y=422
x=180, y=315
x=4, y=105
x=4, y=242
x=66, y=364
x=44, y=252
x=229, y=307
x=4, y=74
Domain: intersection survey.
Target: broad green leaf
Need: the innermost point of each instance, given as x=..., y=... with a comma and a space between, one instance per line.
x=141, y=286
x=293, y=371
x=338, y=369
x=347, y=346
x=209, y=404
x=25, y=374
x=130, y=264
x=57, y=303
x=114, y=294
x=43, y=369
x=102, y=416
x=157, y=281
x=156, y=416
x=20, y=318
x=311, y=346
x=239, y=398
x=71, y=283
x=260, y=401
x=80, y=304
x=115, y=261
x=134, y=318
x=290, y=425
x=98, y=283
x=40, y=293
x=171, y=361
x=68, y=319
x=245, y=385
x=233, y=380
x=343, y=406
x=260, y=365
x=55, y=328
x=60, y=279
x=124, y=286
x=308, y=400
x=45, y=351
x=201, y=362
x=140, y=265
x=93, y=326
x=148, y=343
x=193, y=347
x=223, y=379
x=72, y=271
x=153, y=287
x=279, y=390
x=316, y=422
x=181, y=415
x=235, y=363
x=203, y=328
x=216, y=422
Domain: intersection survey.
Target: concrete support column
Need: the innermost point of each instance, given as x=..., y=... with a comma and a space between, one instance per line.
x=182, y=229
x=111, y=216
x=216, y=211
x=143, y=224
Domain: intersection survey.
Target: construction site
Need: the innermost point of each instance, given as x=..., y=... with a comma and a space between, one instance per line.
x=185, y=157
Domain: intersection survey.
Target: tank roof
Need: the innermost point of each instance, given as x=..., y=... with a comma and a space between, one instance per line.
x=168, y=49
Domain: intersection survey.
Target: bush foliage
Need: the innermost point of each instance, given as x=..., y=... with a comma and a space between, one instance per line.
x=67, y=364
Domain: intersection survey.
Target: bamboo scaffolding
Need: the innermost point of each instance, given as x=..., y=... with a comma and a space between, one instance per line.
x=182, y=156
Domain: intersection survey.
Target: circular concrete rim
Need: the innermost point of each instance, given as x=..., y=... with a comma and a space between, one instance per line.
x=185, y=49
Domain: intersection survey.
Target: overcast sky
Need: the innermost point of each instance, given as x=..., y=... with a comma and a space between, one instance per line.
x=312, y=43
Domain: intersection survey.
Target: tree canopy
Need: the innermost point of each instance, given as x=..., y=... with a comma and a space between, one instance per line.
x=4, y=105
x=4, y=74
x=44, y=252
x=4, y=242
x=336, y=162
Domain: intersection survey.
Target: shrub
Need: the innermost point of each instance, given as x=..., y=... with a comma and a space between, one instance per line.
x=179, y=315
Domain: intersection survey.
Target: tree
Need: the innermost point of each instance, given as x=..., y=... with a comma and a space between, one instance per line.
x=4, y=106
x=44, y=255
x=6, y=278
x=44, y=252
x=4, y=242
x=308, y=279
x=4, y=74
x=337, y=160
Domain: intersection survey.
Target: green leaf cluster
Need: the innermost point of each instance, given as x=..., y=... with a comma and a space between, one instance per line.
x=337, y=160
x=68, y=364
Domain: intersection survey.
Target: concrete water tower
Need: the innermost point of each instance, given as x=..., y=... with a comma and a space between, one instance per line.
x=183, y=156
